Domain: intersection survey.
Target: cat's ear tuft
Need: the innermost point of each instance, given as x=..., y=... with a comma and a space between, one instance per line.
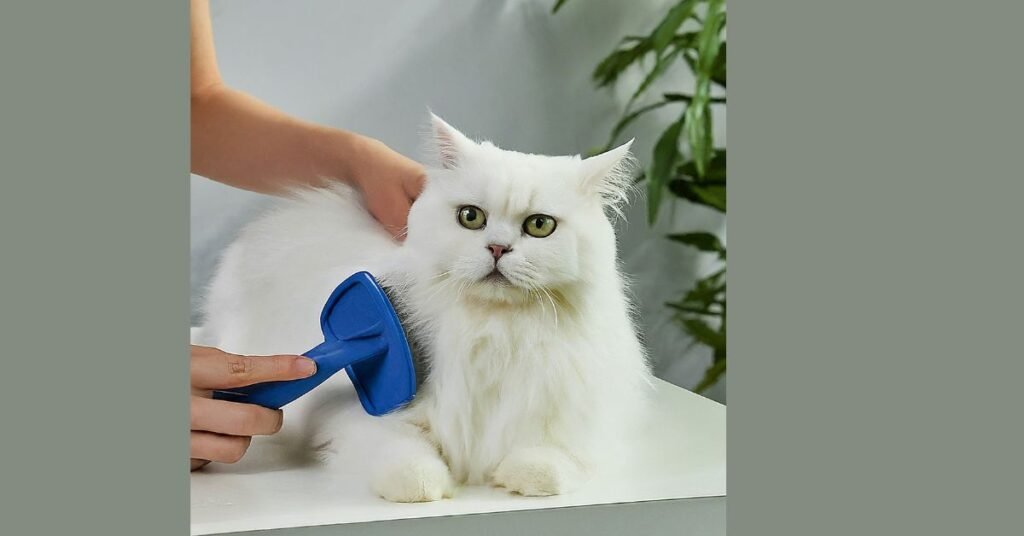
x=450, y=144
x=609, y=174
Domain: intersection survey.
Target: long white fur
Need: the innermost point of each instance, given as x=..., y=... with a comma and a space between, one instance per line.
x=531, y=386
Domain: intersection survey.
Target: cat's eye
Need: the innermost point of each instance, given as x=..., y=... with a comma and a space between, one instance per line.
x=539, y=225
x=472, y=217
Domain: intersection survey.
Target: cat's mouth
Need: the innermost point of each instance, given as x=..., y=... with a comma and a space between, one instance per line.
x=496, y=277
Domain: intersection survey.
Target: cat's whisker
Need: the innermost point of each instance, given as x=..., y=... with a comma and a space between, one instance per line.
x=458, y=295
x=554, y=308
x=537, y=291
x=461, y=286
x=440, y=287
x=529, y=270
x=544, y=307
x=439, y=276
x=434, y=287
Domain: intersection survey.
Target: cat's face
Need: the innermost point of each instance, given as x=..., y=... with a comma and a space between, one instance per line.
x=505, y=226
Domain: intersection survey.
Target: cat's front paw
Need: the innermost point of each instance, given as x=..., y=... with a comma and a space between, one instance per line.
x=537, y=471
x=418, y=480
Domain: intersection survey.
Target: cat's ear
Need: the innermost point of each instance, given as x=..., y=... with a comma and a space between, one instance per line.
x=450, y=144
x=609, y=174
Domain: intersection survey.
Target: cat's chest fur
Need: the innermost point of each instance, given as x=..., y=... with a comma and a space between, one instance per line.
x=490, y=387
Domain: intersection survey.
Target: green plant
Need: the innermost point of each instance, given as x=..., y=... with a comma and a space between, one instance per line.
x=685, y=161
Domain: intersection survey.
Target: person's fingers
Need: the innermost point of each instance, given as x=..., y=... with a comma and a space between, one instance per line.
x=197, y=463
x=214, y=369
x=218, y=447
x=399, y=219
x=233, y=418
x=414, y=187
x=392, y=211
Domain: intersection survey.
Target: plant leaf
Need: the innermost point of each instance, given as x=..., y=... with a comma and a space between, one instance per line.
x=689, y=309
x=629, y=118
x=700, y=330
x=702, y=241
x=659, y=40
x=709, y=40
x=708, y=193
x=718, y=68
x=691, y=60
x=698, y=113
x=664, y=61
x=685, y=40
x=609, y=69
x=714, y=174
x=706, y=292
x=666, y=30
x=711, y=375
x=677, y=97
x=558, y=5
x=666, y=154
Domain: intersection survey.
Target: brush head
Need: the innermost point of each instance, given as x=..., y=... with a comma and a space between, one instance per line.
x=360, y=305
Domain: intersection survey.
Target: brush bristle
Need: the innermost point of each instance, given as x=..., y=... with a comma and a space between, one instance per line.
x=417, y=346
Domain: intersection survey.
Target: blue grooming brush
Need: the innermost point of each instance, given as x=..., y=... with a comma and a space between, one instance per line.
x=362, y=334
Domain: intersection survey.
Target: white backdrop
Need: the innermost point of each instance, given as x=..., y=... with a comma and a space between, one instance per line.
x=504, y=70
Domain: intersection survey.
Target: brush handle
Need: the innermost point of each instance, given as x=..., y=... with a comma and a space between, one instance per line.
x=330, y=357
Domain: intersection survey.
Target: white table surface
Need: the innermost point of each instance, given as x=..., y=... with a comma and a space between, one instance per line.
x=683, y=456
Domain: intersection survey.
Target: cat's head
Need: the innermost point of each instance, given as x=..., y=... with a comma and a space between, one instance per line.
x=500, y=225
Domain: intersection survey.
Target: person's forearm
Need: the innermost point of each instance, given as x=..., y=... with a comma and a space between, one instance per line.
x=241, y=141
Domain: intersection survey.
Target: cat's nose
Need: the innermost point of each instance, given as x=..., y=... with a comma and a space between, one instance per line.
x=497, y=250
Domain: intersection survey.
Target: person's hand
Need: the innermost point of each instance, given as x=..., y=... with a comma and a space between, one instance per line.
x=222, y=430
x=388, y=181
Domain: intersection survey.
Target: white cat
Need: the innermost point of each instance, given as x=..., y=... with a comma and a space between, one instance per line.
x=509, y=277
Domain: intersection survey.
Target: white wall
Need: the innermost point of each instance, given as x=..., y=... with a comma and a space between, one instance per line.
x=505, y=70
